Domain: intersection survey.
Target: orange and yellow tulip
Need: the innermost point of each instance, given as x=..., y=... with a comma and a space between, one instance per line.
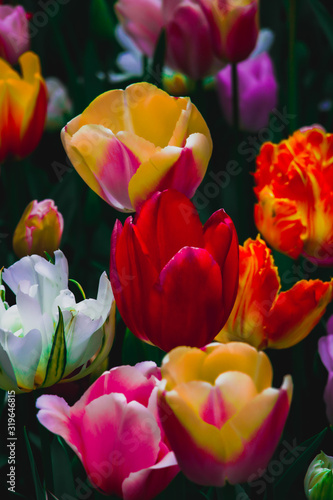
x=219, y=412
x=23, y=104
x=294, y=190
x=264, y=317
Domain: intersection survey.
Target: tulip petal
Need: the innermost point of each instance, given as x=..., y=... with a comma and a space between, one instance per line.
x=325, y=348
x=238, y=357
x=182, y=365
x=112, y=163
x=117, y=437
x=252, y=435
x=191, y=277
x=166, y=214
x=296, y=312
x=132, y=274
x=147, y=483
x=24, y=354
x=221, y=242
x=7, y=376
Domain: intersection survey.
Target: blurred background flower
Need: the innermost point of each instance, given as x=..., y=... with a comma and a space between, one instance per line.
x=23, y=104
x=59, y=106
x=14, y=32
x=39, y=229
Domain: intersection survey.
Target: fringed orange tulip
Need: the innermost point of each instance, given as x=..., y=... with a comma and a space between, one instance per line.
x=295, y=198
x=262, y=316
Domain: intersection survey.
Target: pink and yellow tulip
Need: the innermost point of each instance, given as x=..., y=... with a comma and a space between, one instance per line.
x=129, y=144
x=23, y=104
x=262, y=315
x=115, y=431
x=39, y=229
x=219, y=412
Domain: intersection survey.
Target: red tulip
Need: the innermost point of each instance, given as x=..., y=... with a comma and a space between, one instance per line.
x=174, y=281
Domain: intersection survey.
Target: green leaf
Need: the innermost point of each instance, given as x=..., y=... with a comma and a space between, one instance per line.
x=40, y=491
x=57, y=360
x=155, y=71
x=324, y=19
x=62, y=471
x=102, y=22
x=299, y=465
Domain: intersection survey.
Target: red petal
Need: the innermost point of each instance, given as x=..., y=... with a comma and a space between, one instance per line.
x=166, y=223
x=221, y=242
x=186, y=304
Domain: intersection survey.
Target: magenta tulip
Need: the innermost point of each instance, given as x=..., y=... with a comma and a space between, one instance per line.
x=115, y=431
x=14, y=33
x=257, y=92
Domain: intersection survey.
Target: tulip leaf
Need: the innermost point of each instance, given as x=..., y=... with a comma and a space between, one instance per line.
x=62, y=471
x=102, y=21
x=79, y=287
x=324, y=19
x=302, y=454
x=57, y=360
x=40, y=491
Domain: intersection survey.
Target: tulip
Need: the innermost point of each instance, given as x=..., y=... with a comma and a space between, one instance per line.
x=318, y=482
x=174, y=281
x=14, y=32
x=59, y=105
x=257, y=92
x=293, y=187
x=200, y=35
x=129, y=144
x=47, y=337
x=23, y=106
x=39, y=230
x=115, y=431
x=219, y=412
x=325, y=348
x=142, y=20
x=264, y=317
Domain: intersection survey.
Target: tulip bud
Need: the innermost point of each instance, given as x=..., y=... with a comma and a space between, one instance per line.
x=39, y=229
x=318, y=482
x=14, y=32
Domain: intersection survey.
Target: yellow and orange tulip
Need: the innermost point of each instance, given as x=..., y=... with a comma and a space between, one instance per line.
x=264, y=317
x=23, y=104
x=219, y=412
x=294, y=190
x=130, y=143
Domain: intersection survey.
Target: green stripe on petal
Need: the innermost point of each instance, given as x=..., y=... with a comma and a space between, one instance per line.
x=57, y=360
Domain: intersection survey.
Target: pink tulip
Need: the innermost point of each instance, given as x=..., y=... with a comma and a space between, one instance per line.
x=115, y=431
x=325, y=348
x=14, y=33
x=257, y=92
x=142, y=21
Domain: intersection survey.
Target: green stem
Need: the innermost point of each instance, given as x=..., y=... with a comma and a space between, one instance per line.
x=46, y=456
x=235, y=98
x=292, y=82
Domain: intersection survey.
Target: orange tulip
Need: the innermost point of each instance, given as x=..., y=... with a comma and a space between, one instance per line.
x=294, y=190
x=23, y=104
x=262, y=316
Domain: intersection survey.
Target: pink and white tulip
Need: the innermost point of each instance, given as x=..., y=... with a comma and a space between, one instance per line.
x=14, y=32
x=115, y=431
